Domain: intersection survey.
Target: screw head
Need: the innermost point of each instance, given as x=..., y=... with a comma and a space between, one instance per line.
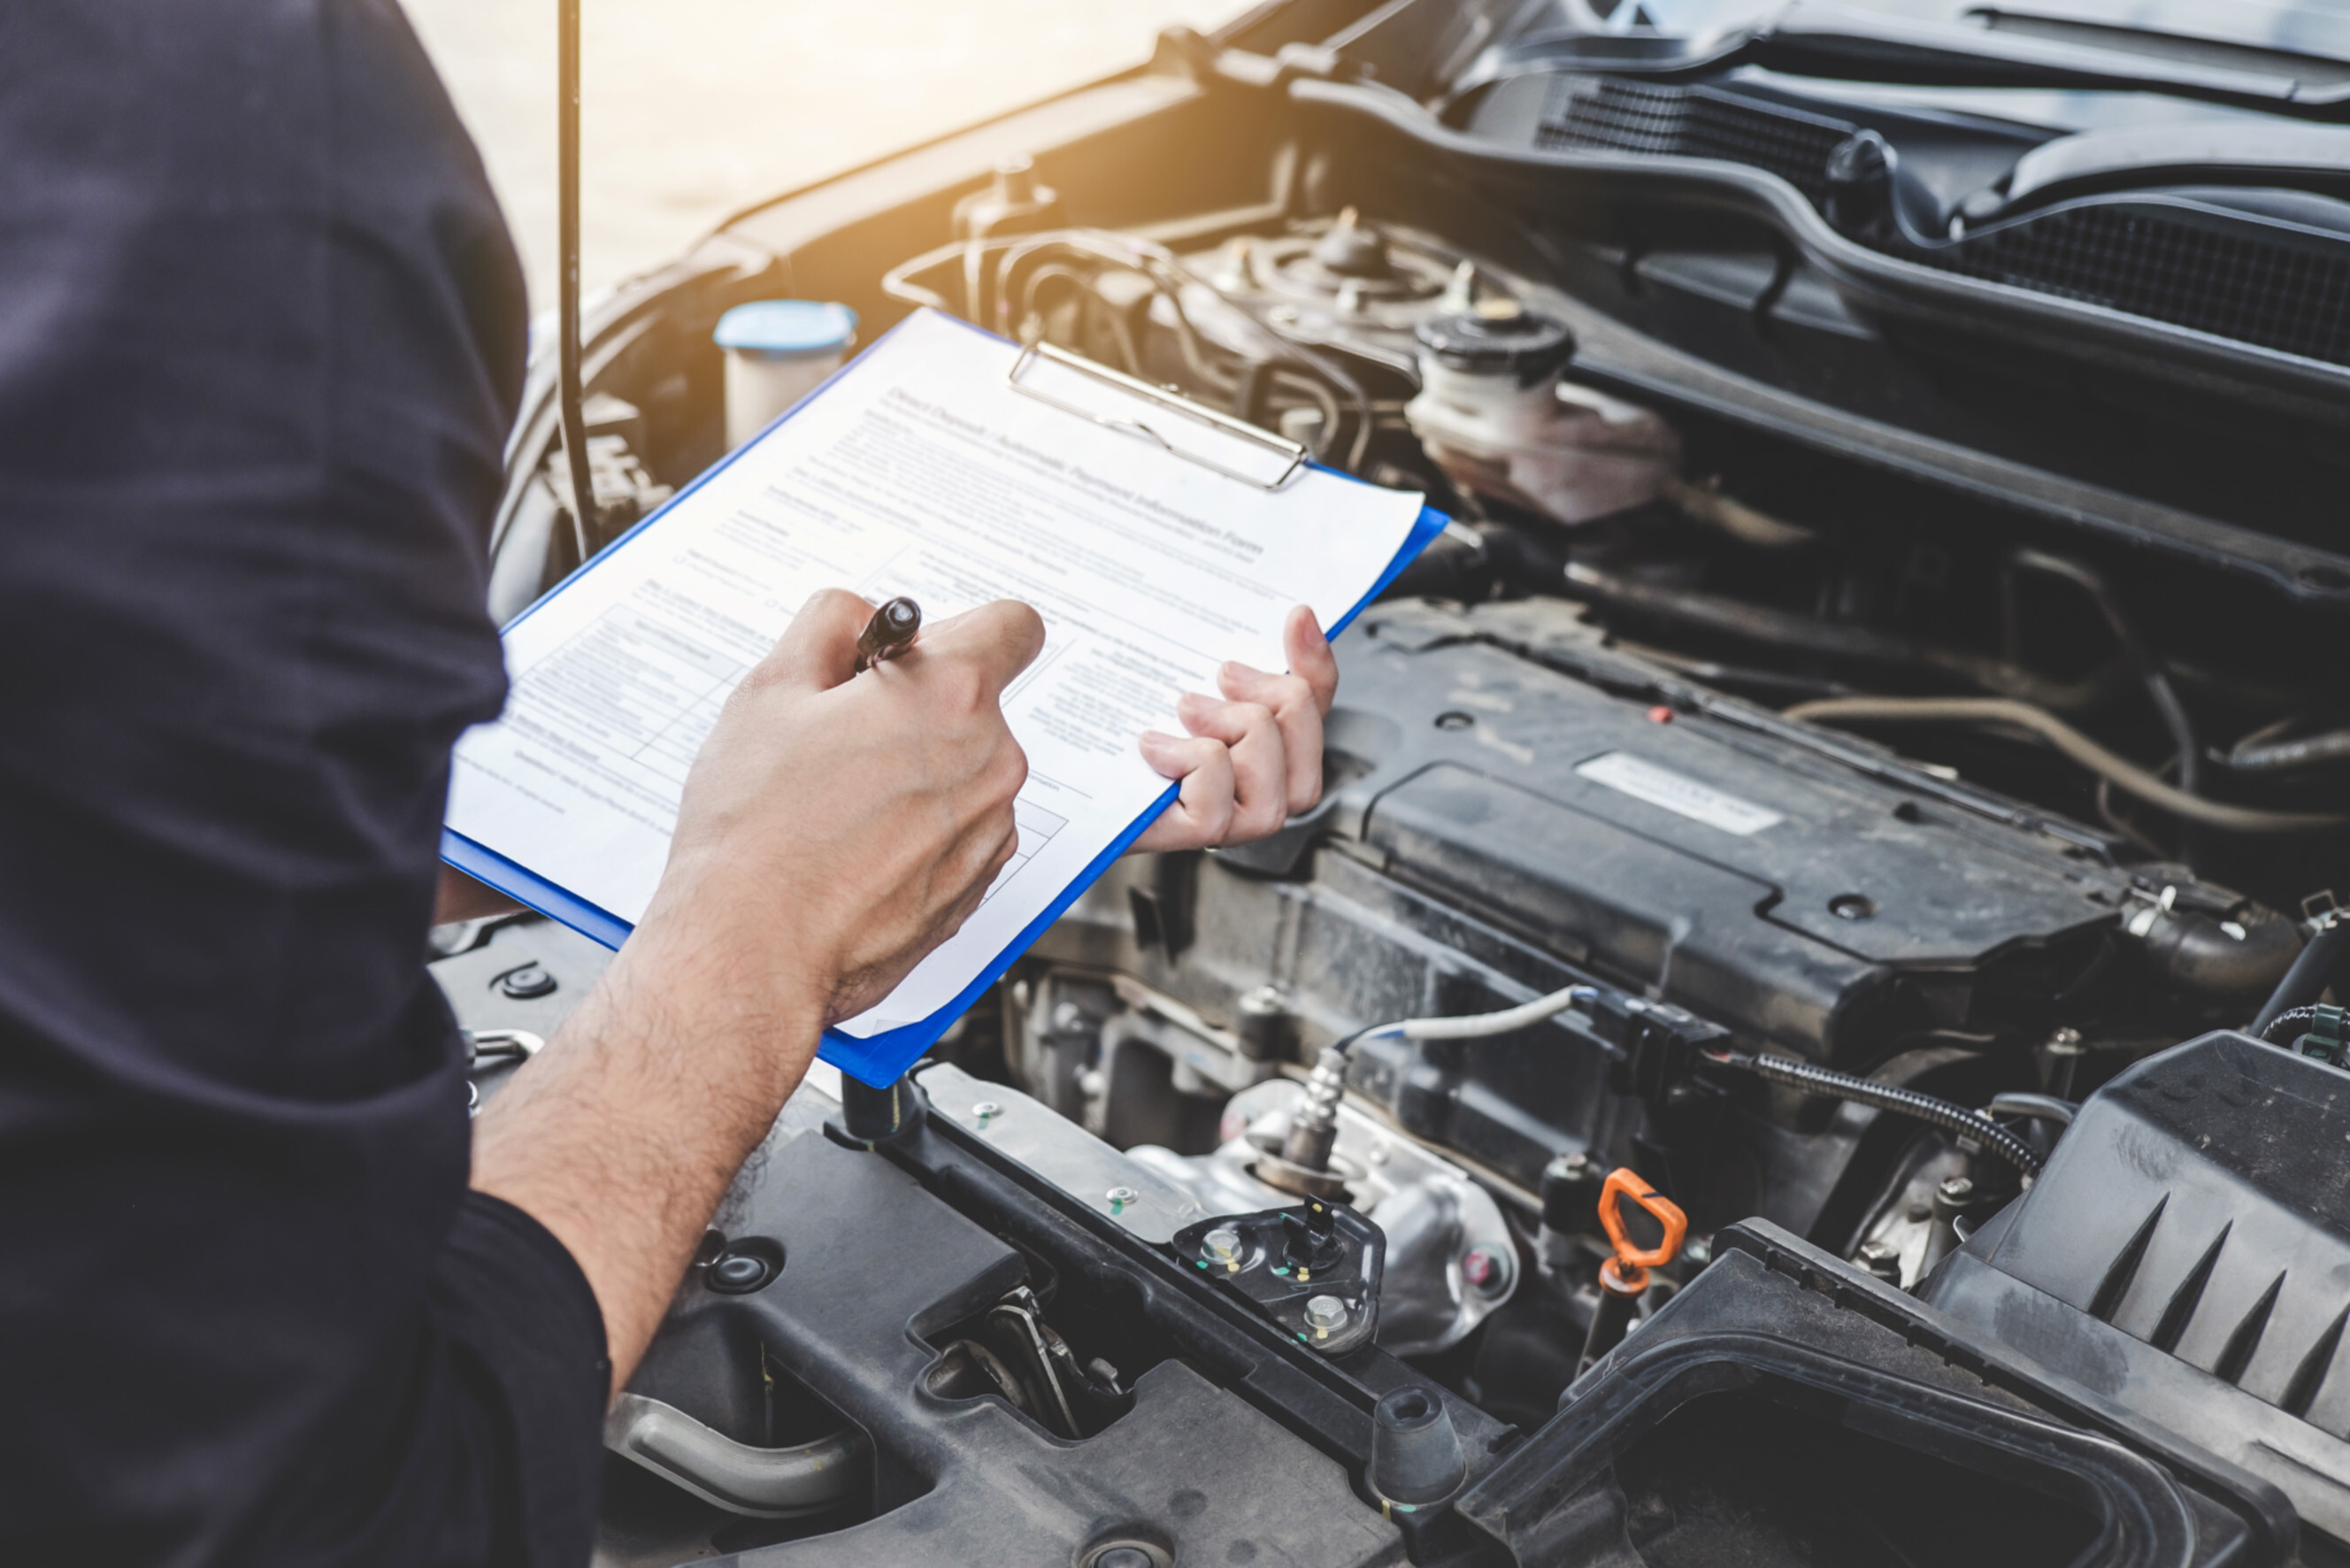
x=1326, y=1314
x=1957, y=1190
x=1221, y=1245
x=1122, y=1198
x=986, y=1108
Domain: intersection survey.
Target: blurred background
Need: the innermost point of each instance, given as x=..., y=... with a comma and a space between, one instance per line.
x=693, y=110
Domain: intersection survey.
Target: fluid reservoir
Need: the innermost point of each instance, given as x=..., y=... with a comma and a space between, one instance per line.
x=778, y=351
x=1494, y=414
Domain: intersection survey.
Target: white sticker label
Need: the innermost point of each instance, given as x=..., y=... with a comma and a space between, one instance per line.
x=1623, y=771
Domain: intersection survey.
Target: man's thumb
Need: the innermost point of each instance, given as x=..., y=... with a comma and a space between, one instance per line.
x=819, y=649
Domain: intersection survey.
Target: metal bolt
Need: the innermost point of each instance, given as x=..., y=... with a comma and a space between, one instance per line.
x=1120, y=1198
x=1326, y=1314
x=1882, y=1259
x=985, y=1110
x=1958, y=1191
x=1221, y=1245
x=1484, y=1270
x=2064, y=1053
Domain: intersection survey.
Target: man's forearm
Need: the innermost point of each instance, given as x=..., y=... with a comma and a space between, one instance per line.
x=836, y=827
x=626, y=1131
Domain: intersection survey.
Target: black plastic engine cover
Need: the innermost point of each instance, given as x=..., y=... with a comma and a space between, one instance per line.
x=1755, y=883
x=2187, y=1256
x=873, y=1269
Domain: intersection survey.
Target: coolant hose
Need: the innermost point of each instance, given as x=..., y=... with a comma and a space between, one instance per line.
x=2306, y=981
x=2196, y=952
x=2125, y=774
x=1947, y=1114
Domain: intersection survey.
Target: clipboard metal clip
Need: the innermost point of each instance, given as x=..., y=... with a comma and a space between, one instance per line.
x=1291, y=454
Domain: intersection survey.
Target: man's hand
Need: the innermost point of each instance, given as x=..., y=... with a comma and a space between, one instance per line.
x=1253, y=760
x=833, y=831
x=845, y=827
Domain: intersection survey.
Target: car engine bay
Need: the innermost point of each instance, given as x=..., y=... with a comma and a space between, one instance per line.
x=1799, y=1030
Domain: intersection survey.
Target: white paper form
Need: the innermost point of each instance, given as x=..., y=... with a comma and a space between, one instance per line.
x=919, y=471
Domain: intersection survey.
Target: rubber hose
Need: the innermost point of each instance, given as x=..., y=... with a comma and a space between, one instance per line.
x=1947, y=1114
x=2125, y=773
x=2275, y=756
x=2043, y=1107
x=2196, y=952
x=2306, y=981
x=2281, y=1029
x=1763, y=626
x=2141, y=656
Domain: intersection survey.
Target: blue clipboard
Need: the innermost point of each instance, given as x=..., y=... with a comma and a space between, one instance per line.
x=878, y=1059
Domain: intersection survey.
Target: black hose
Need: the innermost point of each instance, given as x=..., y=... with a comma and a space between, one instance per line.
x=2306, y=981
x=2195, y=950
x=2140, y=654
x=2285, y=1027
x=2040, y=1107
x=1764, y=626
x=1947, y=1114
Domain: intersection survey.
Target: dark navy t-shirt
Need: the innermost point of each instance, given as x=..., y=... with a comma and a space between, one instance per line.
x=261, y=340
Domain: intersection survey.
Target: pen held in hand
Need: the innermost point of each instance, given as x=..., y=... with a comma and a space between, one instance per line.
x=889, y=634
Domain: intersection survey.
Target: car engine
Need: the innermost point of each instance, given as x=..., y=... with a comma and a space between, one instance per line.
x=1803, y=1027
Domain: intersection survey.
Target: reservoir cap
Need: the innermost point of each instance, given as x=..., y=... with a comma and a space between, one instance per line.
x=786, y=328
x=1498, y=337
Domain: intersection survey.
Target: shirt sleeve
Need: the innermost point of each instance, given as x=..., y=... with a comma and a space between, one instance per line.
x=260, y=341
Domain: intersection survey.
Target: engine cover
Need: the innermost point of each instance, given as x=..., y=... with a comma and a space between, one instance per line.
x=1761, y=886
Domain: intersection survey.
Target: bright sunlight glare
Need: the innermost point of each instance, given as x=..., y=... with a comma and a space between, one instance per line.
x=693, y=110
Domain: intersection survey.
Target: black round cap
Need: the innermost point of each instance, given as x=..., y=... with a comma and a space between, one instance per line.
x=1863, y=158
x=1499, y=342
x=1415, y=1453
x=744, y=1266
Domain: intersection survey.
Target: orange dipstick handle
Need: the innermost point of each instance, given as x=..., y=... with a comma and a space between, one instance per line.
x=1628, y=1269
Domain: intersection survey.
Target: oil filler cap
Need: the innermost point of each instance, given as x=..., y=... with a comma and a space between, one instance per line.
x=1499, y=338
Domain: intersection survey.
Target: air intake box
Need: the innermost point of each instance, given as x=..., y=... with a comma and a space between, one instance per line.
x=2185, y=1256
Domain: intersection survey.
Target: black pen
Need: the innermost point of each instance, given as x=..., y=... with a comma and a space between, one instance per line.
x=889, y=634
